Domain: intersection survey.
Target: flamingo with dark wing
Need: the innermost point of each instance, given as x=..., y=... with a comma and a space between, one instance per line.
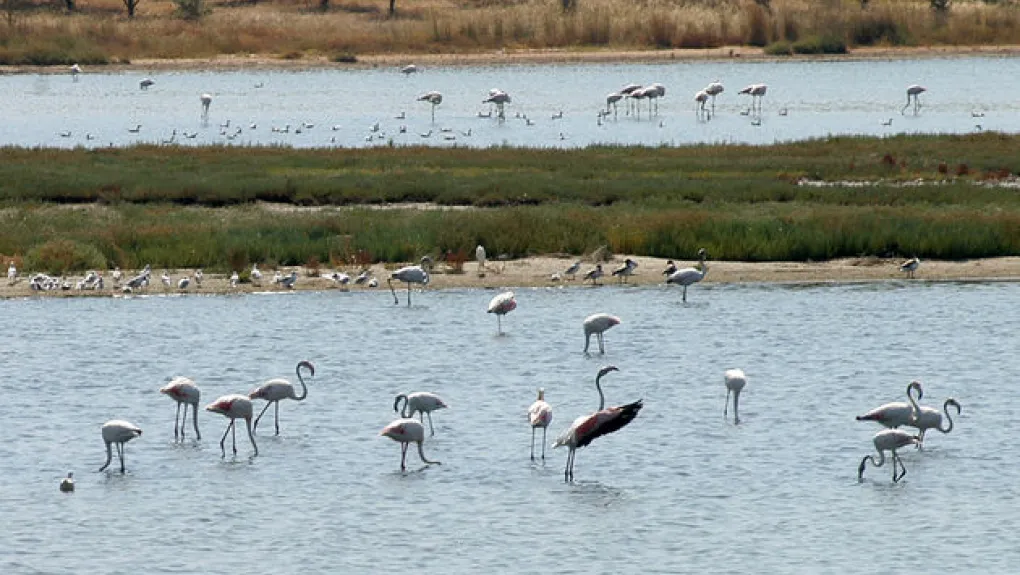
x=587, y=428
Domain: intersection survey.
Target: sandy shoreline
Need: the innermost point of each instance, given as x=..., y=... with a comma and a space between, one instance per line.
x=229, y=62
x=537, y=272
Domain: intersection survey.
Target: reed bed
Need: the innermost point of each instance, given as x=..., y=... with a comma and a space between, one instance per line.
x=70, y=210
x=98, y=32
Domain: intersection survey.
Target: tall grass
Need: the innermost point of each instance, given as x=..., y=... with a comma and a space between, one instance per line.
x=99, y=32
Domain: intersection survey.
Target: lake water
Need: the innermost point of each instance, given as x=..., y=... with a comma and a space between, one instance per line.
x=820, y=98
x=678, y=490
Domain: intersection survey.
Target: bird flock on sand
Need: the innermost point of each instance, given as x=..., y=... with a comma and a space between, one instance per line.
x=581, y=433
x=630, y=95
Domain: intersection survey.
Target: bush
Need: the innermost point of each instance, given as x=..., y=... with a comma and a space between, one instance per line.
x=779, y=48
x=60, y=256
x=819, y=45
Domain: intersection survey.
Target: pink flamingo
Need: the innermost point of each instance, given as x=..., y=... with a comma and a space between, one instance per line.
x=234, y=406
x=539, y=415
x=120, y=432
x=501, y=305
x=888, y=440
x=404, y=431
x=897, y=413
x=587, y=428
x=184, y=391
x=276, y=389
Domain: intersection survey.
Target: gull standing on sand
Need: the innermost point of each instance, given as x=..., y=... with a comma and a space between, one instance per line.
x=480, y=257
x=573, y=269
x=626, y=270
x=234, y=278
x=910, y=266
x=12, y=273
x=594, y=274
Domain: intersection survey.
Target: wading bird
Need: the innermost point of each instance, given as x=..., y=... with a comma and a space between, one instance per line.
x=896, y=413
x=757, y=92
x=735, y=381
x=422, y=402
x=887, y=440
x=480, y=257
x=120, y=432
x=145, y=83
x=587, y=428
x=687, y=276
x=700, y=97
x=501, y=305
x=626, y=270
x=409, y=275
x=499, y=98
x=931, y=418
x=539, y=415
x=406, y=431
x=434, y=98
x=910, y=266
x=234, y=407
x=409, y=69
x=612, y=100
x=274, y=390
x=184, y=392
x=597, y=324
x=914, y=91
x=713, y=90
x=206, y=100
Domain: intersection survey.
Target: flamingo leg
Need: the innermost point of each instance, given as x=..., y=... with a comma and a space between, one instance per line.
x=184, y=421
x=421, y=453
x=233, y=435
x=120, y=452
x=403, y=456
x=602, y=345
x=251, y=436
x=736, y=404
x=177, y=415
x=194, y=420
x=499, y=325
x=393, y=291
x=544, y=430
x=727, y=406
x=920, y=440
x=277, y=418
x=260, y=415
x=533, y=444
x=566, y=468
x=109, y=457
x=685, y=294
x=896, y=459
x=431, y=429
x=223, y=451
x=408, y=294
x=587, y=340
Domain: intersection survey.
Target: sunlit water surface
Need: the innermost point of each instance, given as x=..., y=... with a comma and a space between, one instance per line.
x=679, y=490
x=819, y=98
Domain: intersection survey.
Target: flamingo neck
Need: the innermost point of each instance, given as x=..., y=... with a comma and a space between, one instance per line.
x=945, y=409
x=304, y=388
x=910, y=397
x=421, y=453
x=402, y=410
x=602, y=397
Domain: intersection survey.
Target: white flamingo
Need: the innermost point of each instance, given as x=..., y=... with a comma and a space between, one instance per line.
x=421, y=402
x=409, y=275
x=145, y=83
x=199, y=276
x=931, y=418
x=120, y=432
x=688, y=276
x=627, y=91
x=587, y=428
x=887, y=440
x=206, y=101
x=612, y=100
x=654, y=91
x=597, y=324
x=277, y=389
x=713, y=90
x=184, y=392
x=501, y=305
x=409, y=69
x=500, y=99
x=757, y=92
x=234, y=407
x=434, y=98
x=910, y=266
x=896, y=413
x=701, y=97
x=539, y=415
x=914, y=91
x=165, y=278
x=75, y=70
x=735, y=381
x=405, y=431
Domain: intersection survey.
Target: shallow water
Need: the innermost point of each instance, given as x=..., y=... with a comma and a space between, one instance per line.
x=679, y=490
x=820, y=97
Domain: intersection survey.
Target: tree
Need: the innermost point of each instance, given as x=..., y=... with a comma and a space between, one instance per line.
x=131, y=5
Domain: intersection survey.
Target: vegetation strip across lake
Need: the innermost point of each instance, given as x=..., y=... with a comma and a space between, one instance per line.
x=71, y=210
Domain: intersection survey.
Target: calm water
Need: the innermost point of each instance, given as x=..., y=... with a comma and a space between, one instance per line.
x=821, y=98
x=679, y=490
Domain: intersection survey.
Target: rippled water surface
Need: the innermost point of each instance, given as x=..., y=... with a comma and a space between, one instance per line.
x=679, y=490
x=819, y=98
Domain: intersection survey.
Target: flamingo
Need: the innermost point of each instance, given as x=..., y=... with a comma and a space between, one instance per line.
x=653, y=93
x=480, y=257
x=422, y=402
x=276, y=389
x=896, y=413
x=405, y=431
x=120, y=432
x=587, y=428
x=626, y=270
x=206, y=101
x=637, y=96
x=409, y=275
x=499, y=98
x=434, y=98
x=612, y=100
x=887, y=440
x=145, y=83
x=409, y=69
x=687, y=276
x=597, y=324
x=755, y=91
x=910, y=266
x=670, y=268
x=594, y=274
x=930, y=418
x=234, y=406
x=67, y=483
x=184, y=391
x=627, y=90
x=75, y=70
x=735, y=382
x=501, y=305
x=701, y=97
x=914, y=91
x=539, y=415
x=573, y=269
x=713, y=90
x=256, y=275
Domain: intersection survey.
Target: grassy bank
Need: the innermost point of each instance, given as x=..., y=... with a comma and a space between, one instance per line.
x=173, y=207
x=98, y=32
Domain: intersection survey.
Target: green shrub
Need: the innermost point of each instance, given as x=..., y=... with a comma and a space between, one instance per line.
x=779, y=48
x=819, y=45
x=62, y=255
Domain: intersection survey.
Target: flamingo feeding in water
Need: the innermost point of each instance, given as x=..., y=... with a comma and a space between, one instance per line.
x=757, y=92
x=234, y=406
x=206, y=101
x=501, y=305
x=422, y=402
x=896, y=413
x=701, y=97
x=539, y=415
x=587, y=428
x=409, y=69
x=931, y=418
x=434, y=98
x=500, y=99
x=713, y=90
x=409, y=275
x=405, y=431
x=183, y=391
x=735, y=381
x=597, y=324
x=120, y=432
x=910, y=266
x=687, y=276
x=276, y=389
x=145, y=83
x=887, y=440
x=914, y=91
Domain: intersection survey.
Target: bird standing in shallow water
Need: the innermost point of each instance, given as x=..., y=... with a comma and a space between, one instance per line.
x=687, y=276
x=501, y=305
x=735, y=381
x=183, y=391
x=539, y=415
x=120, y=432
x=422, y=402
x=887, y=440
x=277, y=389
x=597, y=324
x=409, y=275
x=234, y=407
x=406, y=431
